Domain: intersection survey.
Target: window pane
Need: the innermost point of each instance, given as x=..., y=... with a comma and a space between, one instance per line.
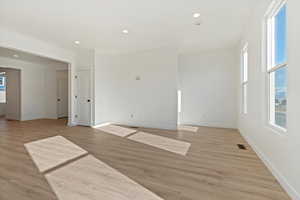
x=245, y=66
x=245, y=110
x=280, y=37
x=279, y=97
x=2, y=90
x=179, y=96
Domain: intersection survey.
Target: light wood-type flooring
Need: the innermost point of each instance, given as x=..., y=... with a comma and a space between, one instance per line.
x=213, y=169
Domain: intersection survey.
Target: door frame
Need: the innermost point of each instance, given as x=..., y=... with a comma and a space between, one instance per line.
x=64, y=56
x=57, y=107
x=20, y=87
x=85, y=68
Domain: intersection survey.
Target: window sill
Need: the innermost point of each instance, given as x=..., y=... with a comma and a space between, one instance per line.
x=277, y=129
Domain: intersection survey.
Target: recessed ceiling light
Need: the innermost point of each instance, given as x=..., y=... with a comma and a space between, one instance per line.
x=125, y=31
x=196, y=15
x=16, y=56
x=77, y=42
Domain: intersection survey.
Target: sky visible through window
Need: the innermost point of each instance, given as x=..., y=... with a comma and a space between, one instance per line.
x=281, y=74
x=2, y=89
x=280, y=37
x=2, y=83
x=280, y=52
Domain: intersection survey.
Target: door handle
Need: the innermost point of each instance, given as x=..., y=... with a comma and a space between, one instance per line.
x=88, y=100
x=58, y=99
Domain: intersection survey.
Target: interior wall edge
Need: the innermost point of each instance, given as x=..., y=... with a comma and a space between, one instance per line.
x=276, y=173
x=211, y=124
x=147, y=124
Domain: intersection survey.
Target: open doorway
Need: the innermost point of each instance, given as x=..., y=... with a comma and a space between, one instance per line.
x=10, y=94
x=33, y=87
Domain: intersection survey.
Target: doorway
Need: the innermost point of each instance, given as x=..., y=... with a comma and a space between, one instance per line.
x=62, y=93
x=10, y=94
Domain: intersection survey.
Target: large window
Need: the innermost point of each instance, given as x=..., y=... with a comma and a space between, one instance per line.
x=244, y=78
x=277, y=65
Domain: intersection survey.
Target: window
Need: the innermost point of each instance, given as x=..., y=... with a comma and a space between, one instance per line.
x=2, y=81
x=179, y=101
x=244, y=78
x=277, y=65
x=2, y=88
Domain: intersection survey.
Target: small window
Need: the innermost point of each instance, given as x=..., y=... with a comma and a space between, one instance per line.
x=244, y=78
x=179, y=101
x=2, y=88
x=277, y=65
x=2, y=80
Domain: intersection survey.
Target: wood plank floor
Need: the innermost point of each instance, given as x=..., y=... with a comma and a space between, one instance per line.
x=213, y=169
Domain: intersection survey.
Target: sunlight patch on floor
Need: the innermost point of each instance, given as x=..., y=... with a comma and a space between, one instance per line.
x=168, y=144
x=51, y=152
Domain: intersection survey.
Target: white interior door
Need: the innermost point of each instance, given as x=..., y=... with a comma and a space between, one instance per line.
x=84, y=97
x=62, y=94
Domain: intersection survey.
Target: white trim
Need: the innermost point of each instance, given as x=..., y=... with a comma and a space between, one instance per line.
x=101, y=125
x=226, y=125
x=292, y=192
x=271, y=104
x=3, y=82
x=244, y=78
x=71, y=124
x=245, y=63
x=271, y=67
x=274, y=8
x=277, y=129
x=269, y=21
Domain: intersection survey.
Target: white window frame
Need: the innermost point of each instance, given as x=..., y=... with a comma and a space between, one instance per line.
x=3, y=82
x=244, y=77
x=270, y=60
x=179, y=100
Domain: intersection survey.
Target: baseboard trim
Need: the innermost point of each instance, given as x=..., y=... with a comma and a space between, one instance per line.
x=151, y=125
x=280, y=178
x=210, y=124
x=72, y=124
x=139, y=124
x=101, y=125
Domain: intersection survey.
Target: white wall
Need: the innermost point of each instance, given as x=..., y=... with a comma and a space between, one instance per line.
x=85, y=59
x=38, y=92
x=14, y=40
x=280, y=151
x=207, y=82
x=152, y=100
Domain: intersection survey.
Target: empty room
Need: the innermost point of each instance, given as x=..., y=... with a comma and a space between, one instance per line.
x=149, y=100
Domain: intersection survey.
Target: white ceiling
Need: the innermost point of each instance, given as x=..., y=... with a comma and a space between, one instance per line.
x=27, y=57
x=98, y=24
